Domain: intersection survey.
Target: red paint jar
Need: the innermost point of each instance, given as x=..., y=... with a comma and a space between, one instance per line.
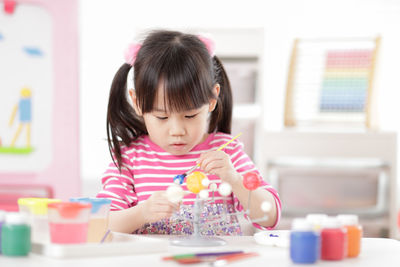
x=333, y=240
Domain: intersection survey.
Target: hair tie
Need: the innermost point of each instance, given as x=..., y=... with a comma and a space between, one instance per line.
x=210, y=45
x=131, y=53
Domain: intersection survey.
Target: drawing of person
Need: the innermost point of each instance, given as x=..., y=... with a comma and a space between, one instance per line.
x=24, y=107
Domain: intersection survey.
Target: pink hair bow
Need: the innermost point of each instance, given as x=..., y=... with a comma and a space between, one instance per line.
x=131, y=53
x=210, y=45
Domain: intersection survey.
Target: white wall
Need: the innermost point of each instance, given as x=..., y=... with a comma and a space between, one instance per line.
x=108, y=26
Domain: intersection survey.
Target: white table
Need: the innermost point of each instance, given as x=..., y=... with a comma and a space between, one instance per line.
x=376, y=252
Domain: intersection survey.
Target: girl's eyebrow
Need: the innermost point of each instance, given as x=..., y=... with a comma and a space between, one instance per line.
x=160, y=110
x=157, y=109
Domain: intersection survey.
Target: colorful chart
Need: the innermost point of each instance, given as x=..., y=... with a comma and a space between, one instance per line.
x=330, y=83
x=346, y=79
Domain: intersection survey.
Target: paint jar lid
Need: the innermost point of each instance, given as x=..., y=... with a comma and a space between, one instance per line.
x=348, y=219
x=39, y=205
x=25, y=201
x=16, y=218
x=316, y=218
x=331, y=222
x=2, y=215
x=69, y=210
x=97, y=203
x=301, y=224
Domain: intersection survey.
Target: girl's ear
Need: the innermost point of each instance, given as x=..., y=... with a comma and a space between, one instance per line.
x=213, y=102
x=132, y=94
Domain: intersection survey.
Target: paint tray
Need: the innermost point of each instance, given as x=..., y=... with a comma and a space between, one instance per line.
x=116, y=244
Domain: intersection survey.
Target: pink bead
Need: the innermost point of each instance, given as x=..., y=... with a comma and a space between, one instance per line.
x=251, y=180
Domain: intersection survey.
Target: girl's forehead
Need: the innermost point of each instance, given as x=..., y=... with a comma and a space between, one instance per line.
x=160, y=101
x=170, y=100
x=161, y=105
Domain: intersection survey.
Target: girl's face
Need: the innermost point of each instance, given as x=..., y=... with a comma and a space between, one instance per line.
x=176, y=132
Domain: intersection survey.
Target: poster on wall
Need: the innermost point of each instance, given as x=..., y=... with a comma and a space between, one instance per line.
x=26, y=89
x=39, y=100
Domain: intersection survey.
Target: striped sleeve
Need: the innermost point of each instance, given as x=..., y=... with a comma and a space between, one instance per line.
x=119, y=186
x=243, y=164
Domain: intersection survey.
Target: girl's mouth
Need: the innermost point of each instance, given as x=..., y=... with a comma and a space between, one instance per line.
x=178, y=146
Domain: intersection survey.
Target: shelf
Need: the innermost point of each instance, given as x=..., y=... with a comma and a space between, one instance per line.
x=355, y=152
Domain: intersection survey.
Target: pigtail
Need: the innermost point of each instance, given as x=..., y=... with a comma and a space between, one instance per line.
x=123, y=125
x=221, y=118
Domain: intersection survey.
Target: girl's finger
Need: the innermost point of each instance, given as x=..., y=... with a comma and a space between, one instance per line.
x=206, y=157
x=209, y=164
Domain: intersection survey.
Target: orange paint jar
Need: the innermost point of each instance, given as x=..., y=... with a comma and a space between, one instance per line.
x=354, y=233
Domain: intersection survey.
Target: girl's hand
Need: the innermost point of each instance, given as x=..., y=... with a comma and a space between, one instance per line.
x=219, y=164
x=158, y=207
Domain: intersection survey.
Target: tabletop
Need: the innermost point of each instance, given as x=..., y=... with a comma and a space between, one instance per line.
x=374, y=252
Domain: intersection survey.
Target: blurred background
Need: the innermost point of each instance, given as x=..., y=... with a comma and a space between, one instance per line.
x=316, y=93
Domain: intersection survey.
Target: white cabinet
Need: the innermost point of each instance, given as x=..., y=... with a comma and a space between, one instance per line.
x=241, y=52
x=342, y=172
x=243, y=74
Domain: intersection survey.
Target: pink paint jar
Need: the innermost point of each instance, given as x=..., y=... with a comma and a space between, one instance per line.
x=68, y=222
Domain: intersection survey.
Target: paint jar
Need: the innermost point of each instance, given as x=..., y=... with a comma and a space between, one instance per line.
x=98, y=221
x=333, y=240
x=354, y=233
x=16, y=235
x=39, y=222
x=68, y=222
x=304, y=242
x=316, y=220
x=23, y=205
x=2, y=219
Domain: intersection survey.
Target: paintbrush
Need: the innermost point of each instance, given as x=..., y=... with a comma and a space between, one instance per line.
x=178, y=179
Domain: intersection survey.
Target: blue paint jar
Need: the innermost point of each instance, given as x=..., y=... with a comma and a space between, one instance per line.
x=304, y=242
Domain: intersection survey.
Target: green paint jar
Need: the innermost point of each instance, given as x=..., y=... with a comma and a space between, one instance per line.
x=16, y=235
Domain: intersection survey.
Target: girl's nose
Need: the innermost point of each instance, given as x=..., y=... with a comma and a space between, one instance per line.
x=177, y=127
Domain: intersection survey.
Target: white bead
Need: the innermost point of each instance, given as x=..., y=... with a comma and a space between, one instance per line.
x=203, y=194
x=266, y=206
x=225, y=189
x=205, y=182
x=174, y=193
x=213, y=186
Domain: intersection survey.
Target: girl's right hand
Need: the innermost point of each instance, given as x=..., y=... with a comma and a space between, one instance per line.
x=158, y=207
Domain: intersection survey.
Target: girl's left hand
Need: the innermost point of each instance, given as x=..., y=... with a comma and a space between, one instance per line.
x=219, y=164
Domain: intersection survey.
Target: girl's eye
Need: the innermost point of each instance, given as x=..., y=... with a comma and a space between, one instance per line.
x=161, y=118
x=190, y=116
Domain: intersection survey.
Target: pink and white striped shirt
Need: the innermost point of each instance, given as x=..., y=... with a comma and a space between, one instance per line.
x=147, y=168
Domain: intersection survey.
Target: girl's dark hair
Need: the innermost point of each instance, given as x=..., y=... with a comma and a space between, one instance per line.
x=182, y=65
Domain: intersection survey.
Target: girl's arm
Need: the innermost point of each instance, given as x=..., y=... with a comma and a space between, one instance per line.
x=127, y=220
x=219, y=163
x=258, y=196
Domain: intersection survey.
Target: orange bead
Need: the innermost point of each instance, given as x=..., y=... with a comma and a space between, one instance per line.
x=193, y=181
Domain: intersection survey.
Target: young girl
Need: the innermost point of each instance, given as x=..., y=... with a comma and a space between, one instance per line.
x=178, y=114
